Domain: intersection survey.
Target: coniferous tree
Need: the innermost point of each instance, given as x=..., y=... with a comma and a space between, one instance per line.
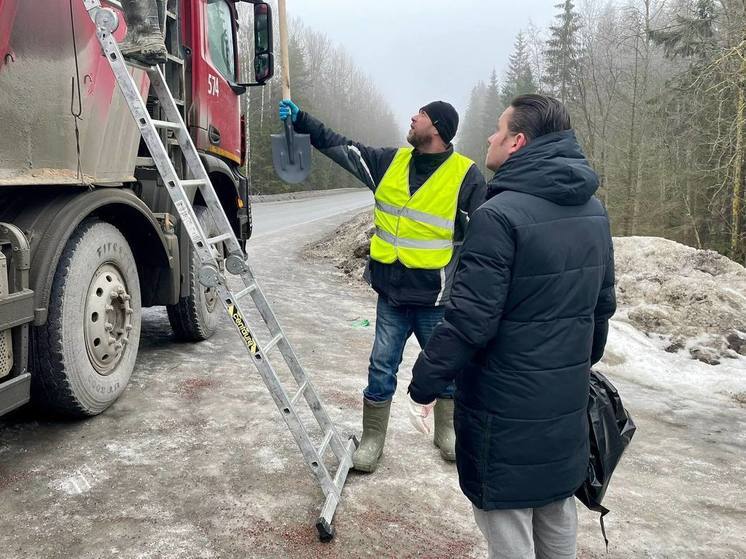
x=470, y=141
x=562, y=52
x=493, y=105
x=519, y=79
x=325, y=82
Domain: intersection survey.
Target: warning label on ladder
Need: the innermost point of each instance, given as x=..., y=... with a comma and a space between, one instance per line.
x=245, y=332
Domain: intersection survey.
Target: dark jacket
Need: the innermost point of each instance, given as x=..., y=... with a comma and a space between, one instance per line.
x=529, y=312
x=397, y=283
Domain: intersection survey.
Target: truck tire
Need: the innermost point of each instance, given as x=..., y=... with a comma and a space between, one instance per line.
x=85, y=353
x=195, y=317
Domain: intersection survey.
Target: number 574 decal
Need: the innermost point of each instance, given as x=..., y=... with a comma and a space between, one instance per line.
x=212, y=85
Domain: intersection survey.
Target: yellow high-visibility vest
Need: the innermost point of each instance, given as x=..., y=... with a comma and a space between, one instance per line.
x=417, y=230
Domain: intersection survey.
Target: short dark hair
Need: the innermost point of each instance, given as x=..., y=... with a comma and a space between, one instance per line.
x=536, y=115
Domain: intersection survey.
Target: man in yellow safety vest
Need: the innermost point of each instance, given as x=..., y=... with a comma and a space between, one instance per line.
x=424, y=195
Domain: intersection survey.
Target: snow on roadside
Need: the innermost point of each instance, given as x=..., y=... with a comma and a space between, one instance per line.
x=694, y=299
x=347, y=247
x=632, y=355
x=681, y=319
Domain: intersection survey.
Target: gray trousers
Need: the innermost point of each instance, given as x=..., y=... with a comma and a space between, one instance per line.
x=548, y=532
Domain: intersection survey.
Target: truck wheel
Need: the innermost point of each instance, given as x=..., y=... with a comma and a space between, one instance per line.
x=195, y=317
x=85, y=353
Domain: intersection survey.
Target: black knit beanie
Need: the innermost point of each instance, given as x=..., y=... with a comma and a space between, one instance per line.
x=444, y=117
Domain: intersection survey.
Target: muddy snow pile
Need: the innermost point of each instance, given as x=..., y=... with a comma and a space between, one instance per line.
x=347, y=247
x=689, y=300
x=693, y=300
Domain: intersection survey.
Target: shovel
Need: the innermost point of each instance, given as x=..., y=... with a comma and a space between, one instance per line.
x=291, y=152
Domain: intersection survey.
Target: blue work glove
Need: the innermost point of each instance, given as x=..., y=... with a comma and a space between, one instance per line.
x=288, y=109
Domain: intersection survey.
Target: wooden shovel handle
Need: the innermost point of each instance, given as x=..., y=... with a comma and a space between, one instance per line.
x=284, y=49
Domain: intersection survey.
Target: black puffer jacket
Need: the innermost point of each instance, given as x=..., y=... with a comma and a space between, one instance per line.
x=528, y=315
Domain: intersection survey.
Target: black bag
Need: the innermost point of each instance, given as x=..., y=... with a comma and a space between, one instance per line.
x=610, y=429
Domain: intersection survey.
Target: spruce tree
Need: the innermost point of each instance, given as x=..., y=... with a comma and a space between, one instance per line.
x=519, y=79
x=562, y=52
x=493, y=105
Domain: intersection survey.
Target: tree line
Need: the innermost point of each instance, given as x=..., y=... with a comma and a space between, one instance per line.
x=327, y=83
x=657, y=95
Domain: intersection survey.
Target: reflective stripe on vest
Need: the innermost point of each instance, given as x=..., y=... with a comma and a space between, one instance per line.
x=417, y=230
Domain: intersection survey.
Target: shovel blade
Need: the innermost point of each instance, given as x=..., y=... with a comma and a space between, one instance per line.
x=292, y=167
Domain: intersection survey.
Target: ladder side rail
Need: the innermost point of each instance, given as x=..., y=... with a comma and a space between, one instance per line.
x=193, y=160
x=288, y=353
x=210, y=273
x=296, y=369
x=281, y=398
x=155, y=145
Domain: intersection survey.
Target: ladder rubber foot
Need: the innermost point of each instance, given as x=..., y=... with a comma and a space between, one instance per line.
x=326, y=532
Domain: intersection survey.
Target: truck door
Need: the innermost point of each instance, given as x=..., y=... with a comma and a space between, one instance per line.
x=215, y=105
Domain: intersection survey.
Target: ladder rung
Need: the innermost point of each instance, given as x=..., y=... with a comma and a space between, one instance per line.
x=300, y=392
x=218, y=239
x=175, y=59
x=328, y=437
x=244, y=292
x=191, y=182
x=159, y=146
x=166, y=124
x=144, y=162
x=272, y=343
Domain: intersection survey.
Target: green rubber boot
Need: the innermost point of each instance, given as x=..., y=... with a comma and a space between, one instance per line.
x=375, y=423
x=445, y=437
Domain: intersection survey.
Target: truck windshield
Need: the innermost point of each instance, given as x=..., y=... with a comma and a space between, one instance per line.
x=220, y=37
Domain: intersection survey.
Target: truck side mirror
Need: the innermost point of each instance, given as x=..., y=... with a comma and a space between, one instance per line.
x=264, y=62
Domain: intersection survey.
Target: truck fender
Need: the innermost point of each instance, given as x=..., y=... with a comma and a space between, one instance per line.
x=49, y=216
x=224, y=177
x=227, y=185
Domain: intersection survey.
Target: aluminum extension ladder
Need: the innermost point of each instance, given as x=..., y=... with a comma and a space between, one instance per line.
x=210, y=275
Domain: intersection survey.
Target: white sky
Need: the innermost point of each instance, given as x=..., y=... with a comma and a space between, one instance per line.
x=418, y=51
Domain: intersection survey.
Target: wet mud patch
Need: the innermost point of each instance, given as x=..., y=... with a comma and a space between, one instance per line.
x=410, y=533
x=192, y=388
x=13, y=479
x=344, y=399
x=370, y=533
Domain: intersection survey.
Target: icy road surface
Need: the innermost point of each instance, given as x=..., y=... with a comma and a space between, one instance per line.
x=194, y=460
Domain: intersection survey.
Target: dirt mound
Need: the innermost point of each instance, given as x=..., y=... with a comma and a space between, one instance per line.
x=347, y=248
x=694, y=299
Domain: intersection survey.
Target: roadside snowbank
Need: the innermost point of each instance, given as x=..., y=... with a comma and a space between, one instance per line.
x=347, y=247
x=692, y=300
x=686, y=301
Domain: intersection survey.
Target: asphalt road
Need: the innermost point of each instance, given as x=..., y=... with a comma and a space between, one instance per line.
x=194, y=461
x=274, y=217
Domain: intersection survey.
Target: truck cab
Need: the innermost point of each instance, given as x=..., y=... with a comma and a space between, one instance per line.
x=88, y=236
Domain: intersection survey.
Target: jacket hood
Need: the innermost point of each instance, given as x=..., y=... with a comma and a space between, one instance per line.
x=552, y=167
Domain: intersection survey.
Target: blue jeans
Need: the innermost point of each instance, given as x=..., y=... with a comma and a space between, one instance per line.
x=394, y=325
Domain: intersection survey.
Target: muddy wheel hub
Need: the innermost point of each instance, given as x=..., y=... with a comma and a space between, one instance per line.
x=108, y=319
x=210, y=294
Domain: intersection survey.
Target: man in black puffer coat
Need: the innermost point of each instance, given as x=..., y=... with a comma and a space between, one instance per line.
x=528, y=315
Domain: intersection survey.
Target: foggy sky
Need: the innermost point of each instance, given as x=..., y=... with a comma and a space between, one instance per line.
x=421, y=50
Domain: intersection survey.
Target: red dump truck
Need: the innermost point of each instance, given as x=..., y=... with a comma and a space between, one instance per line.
x=88, y=236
